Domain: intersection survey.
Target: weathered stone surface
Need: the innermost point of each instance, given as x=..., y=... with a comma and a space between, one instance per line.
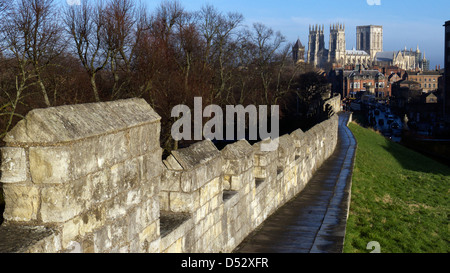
x=63, y=202
x=285, y=150
x=75, y=122
x=95, y=174
x=237, y=150
x=14, y=165
x=50, y=165
x=22, y=202
x=197, y=154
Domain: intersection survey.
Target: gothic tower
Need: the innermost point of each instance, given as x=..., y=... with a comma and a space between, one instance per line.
x=298, y=52
x=336, y=53
x=316, y=45
x=369, y=39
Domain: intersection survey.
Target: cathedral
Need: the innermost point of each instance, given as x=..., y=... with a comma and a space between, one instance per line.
x=368, y=52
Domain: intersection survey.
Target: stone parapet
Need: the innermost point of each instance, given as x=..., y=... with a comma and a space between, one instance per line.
x=90, y=178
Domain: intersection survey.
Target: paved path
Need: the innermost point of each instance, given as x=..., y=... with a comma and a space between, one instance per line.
x=315, y=220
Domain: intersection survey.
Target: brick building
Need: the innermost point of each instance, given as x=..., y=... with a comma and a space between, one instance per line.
x=429, y=80
x=358, y=81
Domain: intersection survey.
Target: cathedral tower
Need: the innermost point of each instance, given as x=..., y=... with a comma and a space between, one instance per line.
x=369, y=39
x=316, y=45
x=336, y=53
x=298, y=52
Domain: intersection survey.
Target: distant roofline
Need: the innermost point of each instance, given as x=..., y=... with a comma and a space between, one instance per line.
x=408, y=82
x=372, y=26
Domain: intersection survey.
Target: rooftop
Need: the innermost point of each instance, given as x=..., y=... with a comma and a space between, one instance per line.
x=356, y=52
x=367, y=73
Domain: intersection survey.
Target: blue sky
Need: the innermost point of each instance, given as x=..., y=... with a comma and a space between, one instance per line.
x=405, y=23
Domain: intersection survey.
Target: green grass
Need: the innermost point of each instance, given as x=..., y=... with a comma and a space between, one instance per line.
x=400, y=199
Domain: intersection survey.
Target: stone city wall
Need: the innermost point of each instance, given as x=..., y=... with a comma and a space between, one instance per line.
x=89, y=178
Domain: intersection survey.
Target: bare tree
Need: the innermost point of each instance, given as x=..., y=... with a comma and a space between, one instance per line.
x=85, y=24
x=268, y=43
x=3, y=7
x=217, y=30
x=125, y=23
x=16, y=71
x=37, y=36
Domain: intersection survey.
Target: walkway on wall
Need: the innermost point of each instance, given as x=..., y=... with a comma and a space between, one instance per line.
x=315, y=220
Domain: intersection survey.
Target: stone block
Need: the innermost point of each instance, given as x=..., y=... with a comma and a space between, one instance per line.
x=154, y=246
x=152, y=165
x=14, y=166
x=135, y=224
x=63, y=202
x=151, y=209
x=119, y=232
x=70, y=230
x=184, y=202
x=171, y=181
x=102, y=239
x=209, y=190
x=129, y=179
x=189, y=181
x=144, y=139
x=150, y=233
x=51, y=165
x=197, y=154
x=286, y=153
x=116, y=207
x=75, y=122
x=113, y=148
x=86, y=157
x=226, y=182
x=99, y=183
x=22, y=202
x=164, y=200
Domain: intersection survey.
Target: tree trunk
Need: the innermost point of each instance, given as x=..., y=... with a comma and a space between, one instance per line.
x=94, y=88
x=44, y=92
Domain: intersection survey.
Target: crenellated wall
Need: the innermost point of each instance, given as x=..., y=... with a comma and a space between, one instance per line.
x=89, y=178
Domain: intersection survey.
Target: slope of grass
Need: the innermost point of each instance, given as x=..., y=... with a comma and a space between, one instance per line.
x=400, y=199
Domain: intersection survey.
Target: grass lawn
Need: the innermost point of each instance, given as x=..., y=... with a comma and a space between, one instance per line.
x=400, y=199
